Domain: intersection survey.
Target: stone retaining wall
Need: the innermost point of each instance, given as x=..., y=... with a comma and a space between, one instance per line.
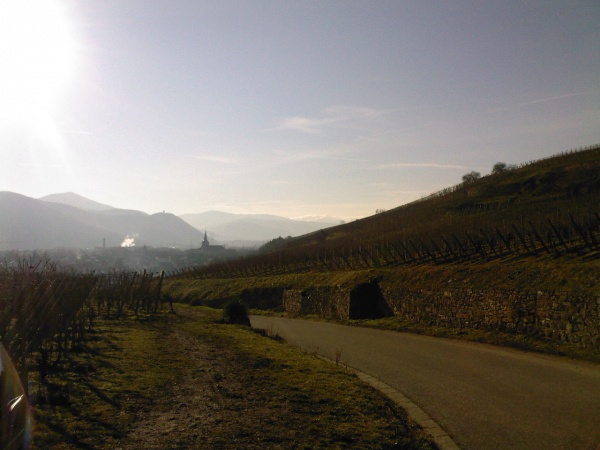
x=263, y=298
x=330, y=302
x=555, y=315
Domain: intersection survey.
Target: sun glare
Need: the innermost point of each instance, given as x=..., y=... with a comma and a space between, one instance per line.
x=36, y=58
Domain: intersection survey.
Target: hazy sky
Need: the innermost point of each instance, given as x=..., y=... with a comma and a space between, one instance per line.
x=293, y=108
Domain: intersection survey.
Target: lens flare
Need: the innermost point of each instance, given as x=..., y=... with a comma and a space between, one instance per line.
x=37, y=51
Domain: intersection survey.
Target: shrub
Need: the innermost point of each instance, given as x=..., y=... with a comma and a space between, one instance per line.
x=499, y=167
x=471, y=177
x=235, y=312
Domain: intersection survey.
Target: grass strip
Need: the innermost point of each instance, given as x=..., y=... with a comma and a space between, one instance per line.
x=517, y=341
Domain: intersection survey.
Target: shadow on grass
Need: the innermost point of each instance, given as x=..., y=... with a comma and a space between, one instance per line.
x=74, y=404
x=101, y=395
x=65, y=436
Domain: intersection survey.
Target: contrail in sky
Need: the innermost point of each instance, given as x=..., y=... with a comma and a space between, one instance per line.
x=424, y=165
x=551, y=99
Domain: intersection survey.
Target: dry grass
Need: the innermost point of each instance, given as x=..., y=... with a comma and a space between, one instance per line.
x=187, y=381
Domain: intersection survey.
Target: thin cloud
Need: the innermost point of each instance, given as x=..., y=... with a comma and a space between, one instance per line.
x=282, y=183
x=356, y=112
x=421, y=165
x=315, y=155
x=306, y=125
x=332, y=115
x=340, y=158
x=218, y=159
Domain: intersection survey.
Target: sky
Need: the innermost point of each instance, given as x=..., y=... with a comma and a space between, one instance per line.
x=295, y=108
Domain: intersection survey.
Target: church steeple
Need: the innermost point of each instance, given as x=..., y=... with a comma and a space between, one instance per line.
x=208, y=248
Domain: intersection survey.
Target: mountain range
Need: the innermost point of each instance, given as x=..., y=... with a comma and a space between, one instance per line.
x=70, y=220
x=253, y=229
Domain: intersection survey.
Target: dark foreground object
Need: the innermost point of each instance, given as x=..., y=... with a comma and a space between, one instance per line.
x=15, y=418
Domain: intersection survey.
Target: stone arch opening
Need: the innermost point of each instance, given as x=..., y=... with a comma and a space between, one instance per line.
x=367, y=301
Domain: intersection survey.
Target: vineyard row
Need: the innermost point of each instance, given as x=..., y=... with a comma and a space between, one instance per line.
x=547, y=237
x=47, y=313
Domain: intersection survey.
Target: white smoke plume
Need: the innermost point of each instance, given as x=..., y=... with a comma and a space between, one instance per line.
x=129, y=240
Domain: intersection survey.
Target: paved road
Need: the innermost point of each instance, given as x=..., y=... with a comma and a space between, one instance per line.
x=485, y=397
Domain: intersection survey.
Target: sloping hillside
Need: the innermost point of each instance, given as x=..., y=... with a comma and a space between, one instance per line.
x=76, y=200
x=550, y=188
x=27, y=223
x=550, y=206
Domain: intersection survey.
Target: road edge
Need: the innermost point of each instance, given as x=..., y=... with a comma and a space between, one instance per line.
x=415, y=413
x=430, y=426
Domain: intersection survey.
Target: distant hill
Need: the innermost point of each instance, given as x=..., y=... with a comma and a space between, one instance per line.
x=252, y=229
x=27, y=223
x=70, y=220
x=76, y=200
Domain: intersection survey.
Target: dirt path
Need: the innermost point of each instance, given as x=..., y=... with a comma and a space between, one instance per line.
x=195, y=411
x=182, y=412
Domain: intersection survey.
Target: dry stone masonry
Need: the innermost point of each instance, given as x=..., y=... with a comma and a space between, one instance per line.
x=557, y=316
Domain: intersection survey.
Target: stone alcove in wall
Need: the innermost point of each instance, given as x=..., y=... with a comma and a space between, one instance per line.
x=367, y=301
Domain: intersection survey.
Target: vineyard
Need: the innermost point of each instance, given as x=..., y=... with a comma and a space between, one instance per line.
x=46, y=313
x=554, y=238
x=548, y=207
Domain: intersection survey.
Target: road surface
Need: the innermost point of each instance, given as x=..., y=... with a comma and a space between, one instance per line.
x=484, y=397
